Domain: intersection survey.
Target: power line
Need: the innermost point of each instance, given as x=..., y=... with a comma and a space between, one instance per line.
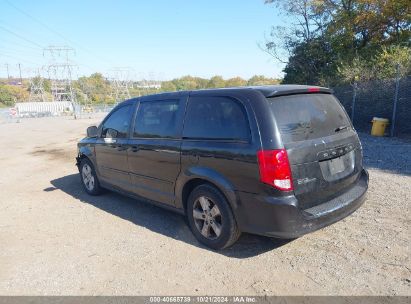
x=35, y=19
x=22, y=29
x=54, y=31
x=26, y=52
x=38, y=56
x=51, y=30
x=21, y=37
x=17, y=44
x=18, y=59
x=11, y=54
x=93, y=69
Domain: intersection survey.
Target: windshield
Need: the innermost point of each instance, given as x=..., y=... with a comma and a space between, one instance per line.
x=308, y=116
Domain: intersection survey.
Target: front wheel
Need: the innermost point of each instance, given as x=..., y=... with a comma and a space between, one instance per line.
x=89, y=178
x=210, y=217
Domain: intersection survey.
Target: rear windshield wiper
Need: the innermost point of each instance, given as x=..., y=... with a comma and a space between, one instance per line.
x=341, y=128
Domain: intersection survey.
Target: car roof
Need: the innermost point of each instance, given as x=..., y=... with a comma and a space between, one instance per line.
x=266, y=90
x=285, y=89
x=273, y=90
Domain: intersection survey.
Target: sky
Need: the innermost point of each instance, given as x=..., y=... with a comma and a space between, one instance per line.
x=161, y=39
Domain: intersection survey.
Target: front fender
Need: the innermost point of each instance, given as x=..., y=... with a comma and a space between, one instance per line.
x=209, y=175
x=86, y=151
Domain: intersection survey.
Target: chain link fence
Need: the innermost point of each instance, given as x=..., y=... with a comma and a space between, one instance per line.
x=389, y=99
x=78, y=111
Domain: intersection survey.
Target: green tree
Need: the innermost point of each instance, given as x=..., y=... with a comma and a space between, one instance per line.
x=9, y=94
x=168, y=86
x=94, y=89
x=216, y=82
x=389, y=63
x=235, y=82
x=392, y=60
x=324, y=36
x=6, y=97
x=310, y=63
x=261, y=80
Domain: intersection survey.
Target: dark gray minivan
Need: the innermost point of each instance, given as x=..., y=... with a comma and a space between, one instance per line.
x=279, y=161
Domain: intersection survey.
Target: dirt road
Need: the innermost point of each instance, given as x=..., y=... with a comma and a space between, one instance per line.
x=57, y=240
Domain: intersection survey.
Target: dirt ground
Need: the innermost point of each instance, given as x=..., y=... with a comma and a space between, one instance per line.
x=57, y=240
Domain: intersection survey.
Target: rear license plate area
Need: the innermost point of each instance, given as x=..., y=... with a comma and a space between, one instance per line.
x=339, y=167
x=336, y=165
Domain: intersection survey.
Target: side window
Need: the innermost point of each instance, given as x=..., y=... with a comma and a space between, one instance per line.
x=157, y=119
x=117, y=125
x=216, y=118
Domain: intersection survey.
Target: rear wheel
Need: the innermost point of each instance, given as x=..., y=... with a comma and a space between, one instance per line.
x=89, y=178
x=210, y=217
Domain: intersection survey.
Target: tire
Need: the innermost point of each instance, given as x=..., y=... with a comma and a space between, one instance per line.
x=89, y=178
x=214, y=227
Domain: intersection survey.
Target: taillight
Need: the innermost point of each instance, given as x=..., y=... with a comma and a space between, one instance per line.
x=313, y=90
x=275, y=168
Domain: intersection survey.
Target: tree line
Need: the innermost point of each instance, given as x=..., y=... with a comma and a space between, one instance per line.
x=98, y=89
x=338, y=41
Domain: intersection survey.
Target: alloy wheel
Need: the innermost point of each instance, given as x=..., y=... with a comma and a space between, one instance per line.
x=207, y=218
x=88, y=178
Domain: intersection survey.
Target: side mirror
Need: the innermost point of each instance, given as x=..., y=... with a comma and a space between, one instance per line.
x=92, y=131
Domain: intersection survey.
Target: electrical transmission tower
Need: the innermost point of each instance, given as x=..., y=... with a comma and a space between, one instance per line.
x=60, y=71
x=121, y=82
x=37, y=87
x=149, y=81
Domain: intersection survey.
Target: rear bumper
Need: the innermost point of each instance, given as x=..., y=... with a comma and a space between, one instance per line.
x=281, y=217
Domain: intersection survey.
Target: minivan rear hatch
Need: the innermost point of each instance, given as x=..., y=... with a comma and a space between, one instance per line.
x=323, y=148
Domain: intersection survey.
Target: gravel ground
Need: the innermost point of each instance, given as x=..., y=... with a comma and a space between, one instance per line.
x=57, y=240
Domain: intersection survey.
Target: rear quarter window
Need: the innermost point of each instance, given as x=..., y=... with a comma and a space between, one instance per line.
x=308, y=116
x=219, y=118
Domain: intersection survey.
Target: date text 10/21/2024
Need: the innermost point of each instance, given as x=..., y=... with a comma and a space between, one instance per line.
x=204, y=299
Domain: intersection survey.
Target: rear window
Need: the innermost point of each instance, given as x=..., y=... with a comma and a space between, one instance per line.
x=308, y=116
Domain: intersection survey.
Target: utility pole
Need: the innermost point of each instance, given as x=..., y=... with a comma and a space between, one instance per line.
x=354, y=98
x=21, y=79
x=394, y=110
x=8, y=74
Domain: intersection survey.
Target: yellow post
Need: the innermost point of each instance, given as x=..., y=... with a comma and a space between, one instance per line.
x=378, y=126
